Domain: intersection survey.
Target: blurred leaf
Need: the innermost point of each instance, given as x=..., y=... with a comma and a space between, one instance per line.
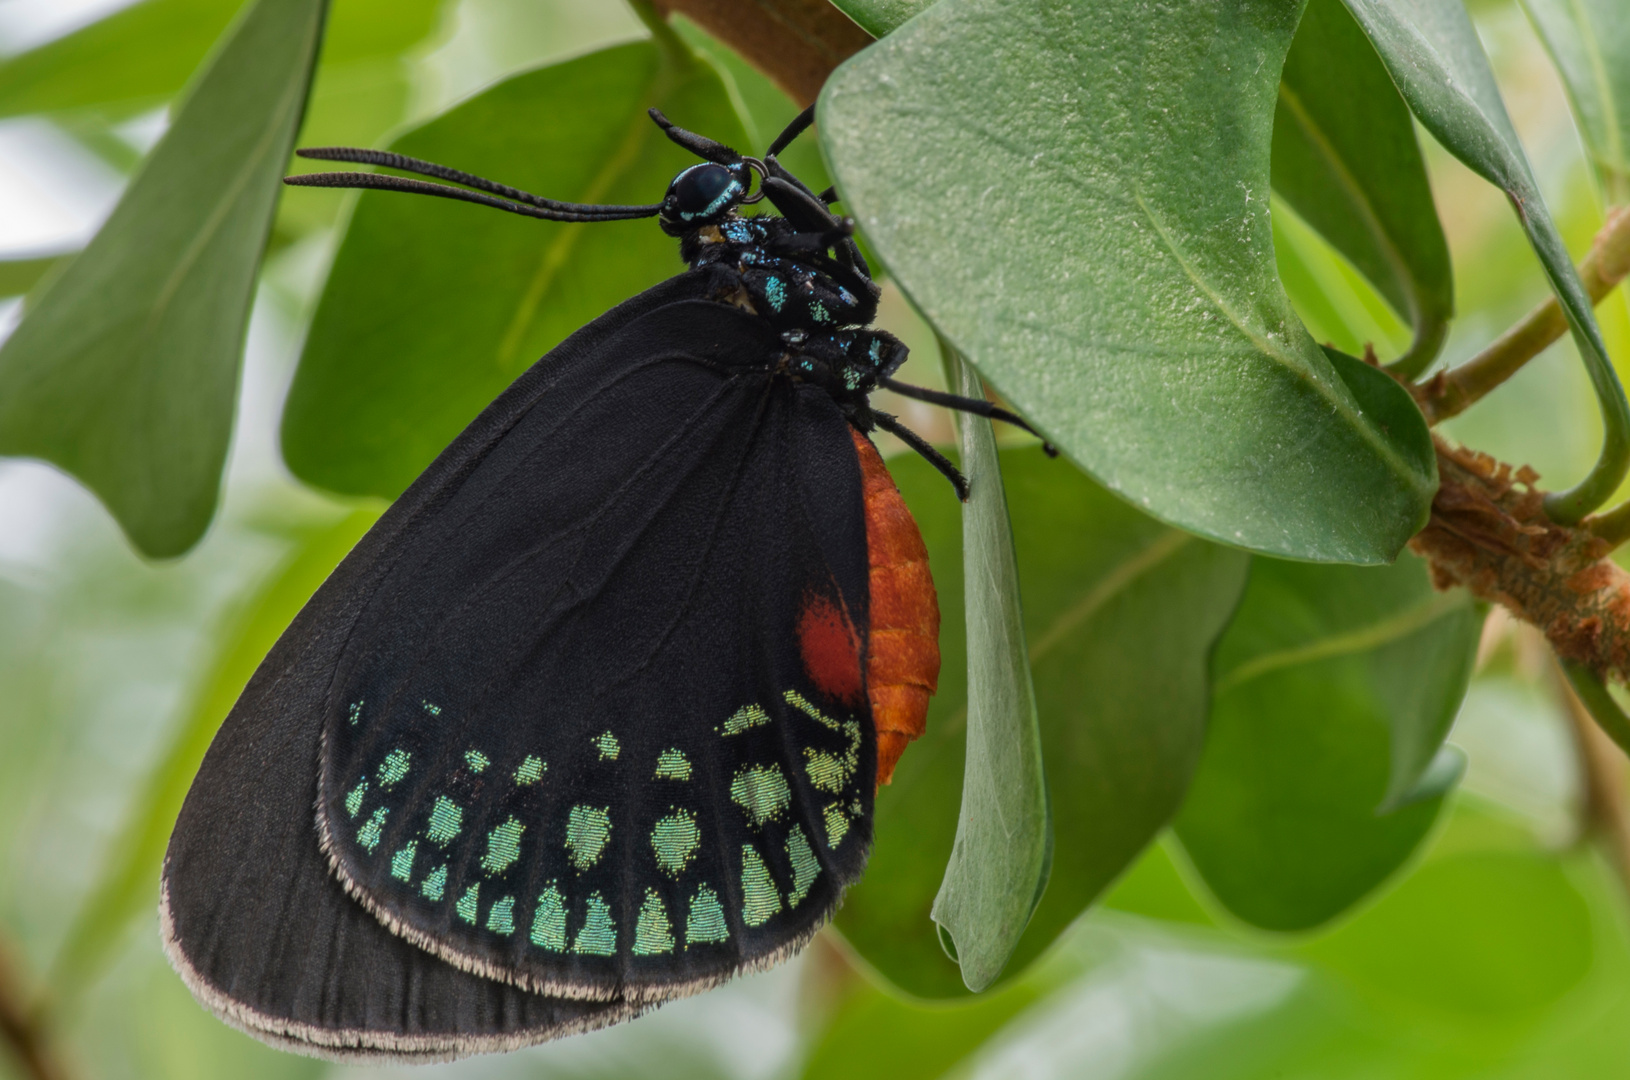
x=432, y=307
x=143, y=54
x=17, y=276
x=1479, y=937
x=1334, y=687
x=1121, y=613
x=1345, y=156
x=1149, y=337
x=1003, y=849
x=125, y=371
x=1337, y=303
x=1590, y=42
x=1437, y=62
x=124, y=63
x=879, y=17
x=129, y=880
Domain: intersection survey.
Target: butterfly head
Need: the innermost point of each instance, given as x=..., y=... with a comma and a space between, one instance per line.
x=706, y=194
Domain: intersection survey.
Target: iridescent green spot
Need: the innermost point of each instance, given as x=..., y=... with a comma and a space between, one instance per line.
x=501, y=919
x=608, y=746
x=672, y=765
x=531, y=770
x=476, y=760
x=706, y=922
x=760, y=898
x=805, y=866
x=549, y=921
x=433, y=710
x=503, y=847
x=353, y=801
x=393, y=768
x=402, y=861
x=435, y=883
x=653, y=934
x=368, y=835
x=446, y=819
x=675, y=839
x=748, y=716
x=469, y=904
x=837, y=825
x=762, y=791
x=355, y=712
x=825, y=771
x=598, y=937
x=587, y=830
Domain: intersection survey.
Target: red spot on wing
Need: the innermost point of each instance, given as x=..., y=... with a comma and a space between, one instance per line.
x=831, y=649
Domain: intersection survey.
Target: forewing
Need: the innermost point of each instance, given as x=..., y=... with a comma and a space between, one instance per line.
x=252, y=914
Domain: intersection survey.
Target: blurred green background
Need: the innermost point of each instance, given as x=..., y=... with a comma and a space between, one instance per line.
x=1503, y=950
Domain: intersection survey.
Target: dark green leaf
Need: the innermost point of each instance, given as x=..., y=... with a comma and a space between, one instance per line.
x=129, y=879
x=434, y=307
x=1345, y=157
x=879, y=17
x=1334, y=688
x=1076, y=195
x=1590, y=42
x=125, y=371
x=1121, y=613
x=1003, y=850
x=1437, y=62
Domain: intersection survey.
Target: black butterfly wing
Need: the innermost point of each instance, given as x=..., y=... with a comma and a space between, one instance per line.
x=578, y=471
x=573, y=743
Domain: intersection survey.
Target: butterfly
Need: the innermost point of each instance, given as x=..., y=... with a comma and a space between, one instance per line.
x=593, y=717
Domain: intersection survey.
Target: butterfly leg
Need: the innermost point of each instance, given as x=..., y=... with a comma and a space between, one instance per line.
x=976, y=406
x=925, y=448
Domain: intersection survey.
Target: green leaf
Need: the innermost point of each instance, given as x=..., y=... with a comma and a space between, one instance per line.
x=1334, y=688
x=432, y=307
x=1121, y=613
x=1345, y=157
x=1003, y=850
x=1590, y=42
x=1076, y=195
x=879, y=17
x=17, y=276
x=131, y=60
x=125, y=371
x=144, y=54
x=129, y=877
x=1433, y=53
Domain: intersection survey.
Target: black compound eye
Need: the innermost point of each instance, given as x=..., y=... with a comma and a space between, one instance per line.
x=702, y=191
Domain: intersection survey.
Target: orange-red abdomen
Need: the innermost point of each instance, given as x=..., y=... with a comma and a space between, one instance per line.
x=903, y=661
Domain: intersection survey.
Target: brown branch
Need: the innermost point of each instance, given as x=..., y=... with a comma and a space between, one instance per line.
x=796, y=43
x=21, y=1030
x=1449, y=393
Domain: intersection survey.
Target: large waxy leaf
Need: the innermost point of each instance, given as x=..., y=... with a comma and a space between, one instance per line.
x=1077, y=197
x=129, y=878
x=1590, y=42
x=1333, y=689
x=1121, y=613
x=1433, y=53
x=1345, y=157
x=433, y=307
x=1003, y=850
x=125, y=371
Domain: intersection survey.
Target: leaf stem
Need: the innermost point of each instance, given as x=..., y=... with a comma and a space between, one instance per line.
x=1594, y=719
x=1452, y=392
